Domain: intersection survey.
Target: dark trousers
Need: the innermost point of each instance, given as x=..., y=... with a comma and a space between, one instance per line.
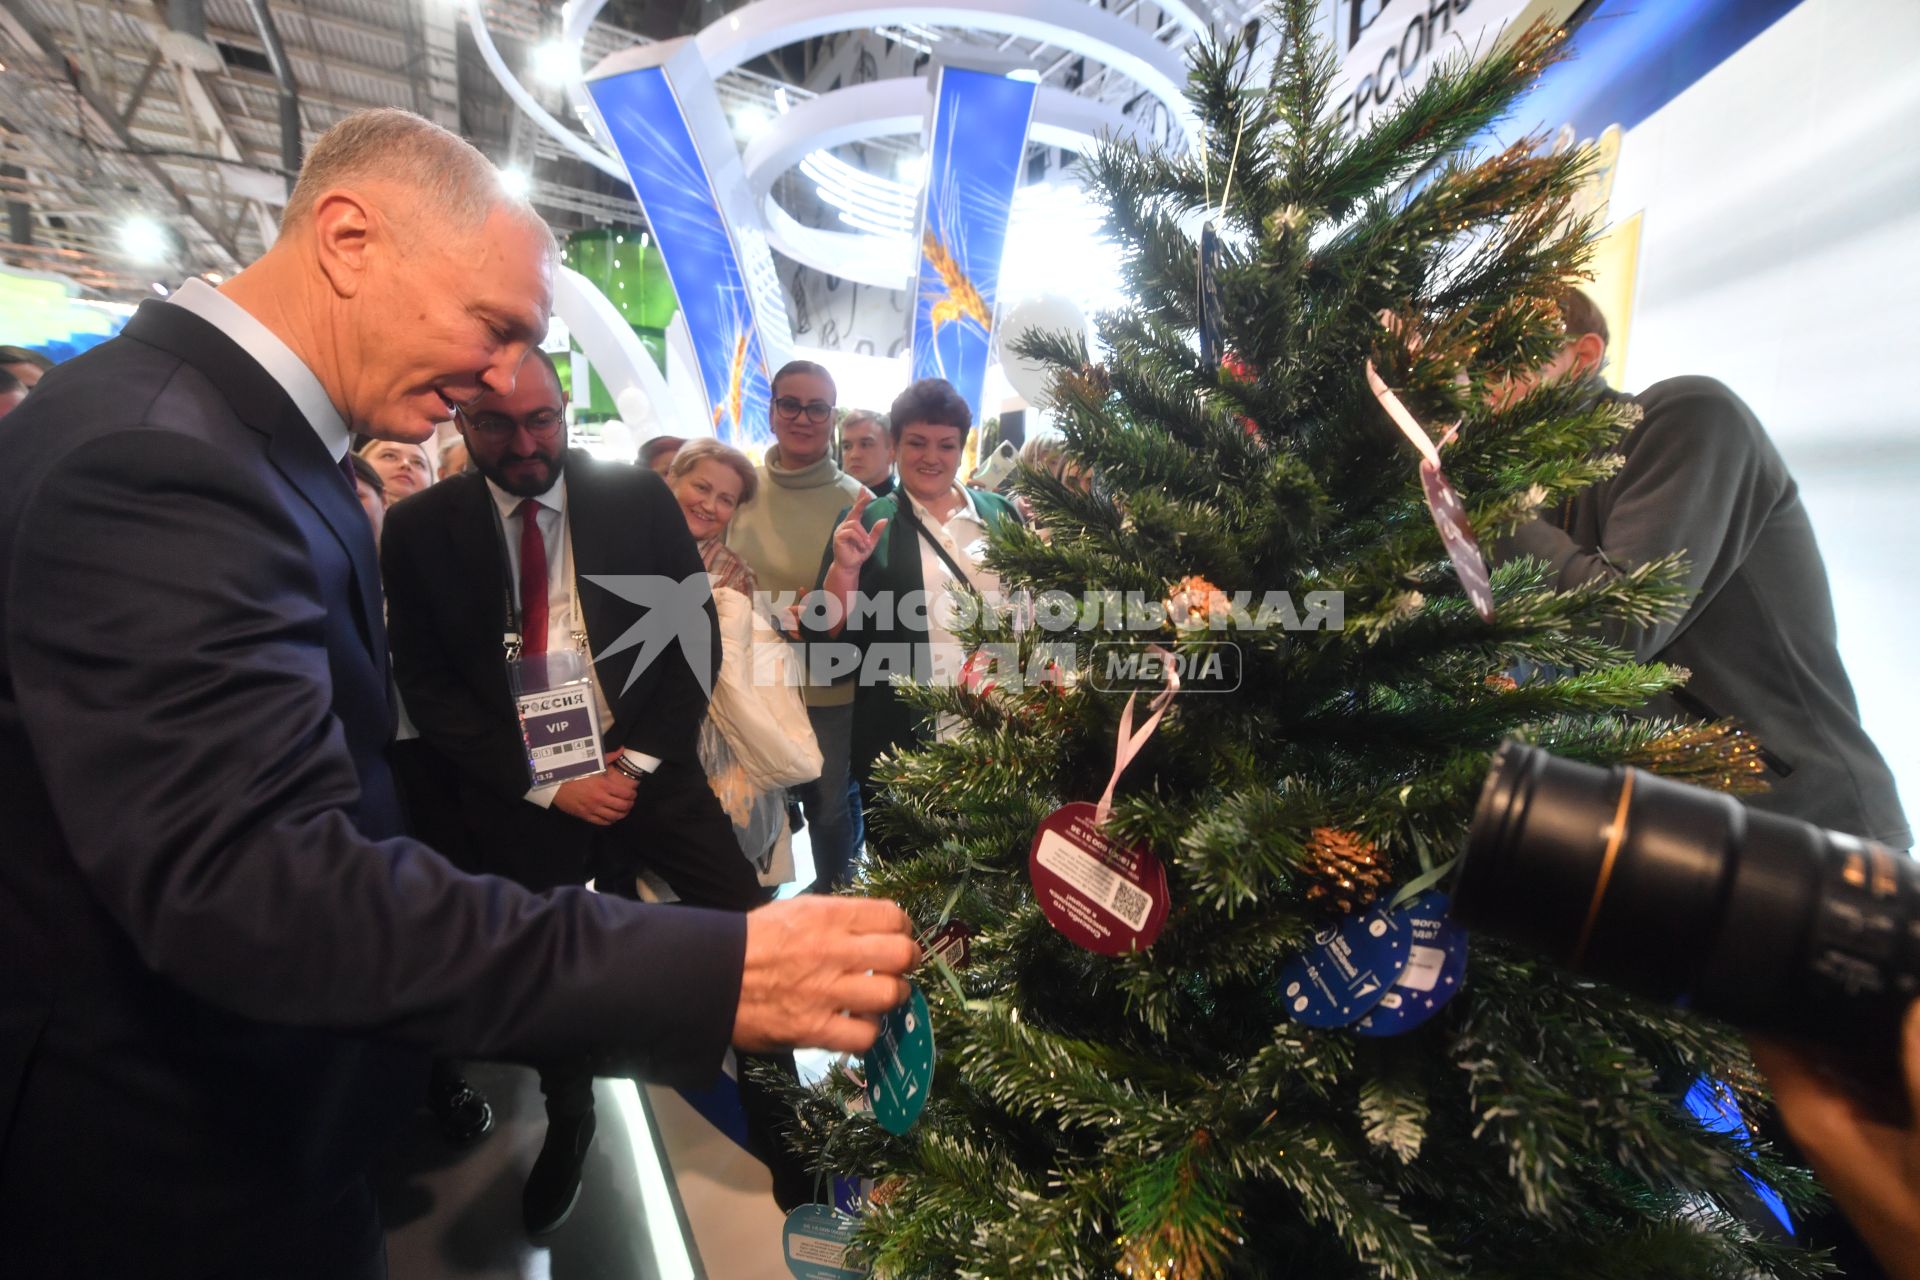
x=832, y=801
x=678, y=831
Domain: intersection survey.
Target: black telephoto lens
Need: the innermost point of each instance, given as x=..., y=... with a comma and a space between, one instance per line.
x=1688, y=896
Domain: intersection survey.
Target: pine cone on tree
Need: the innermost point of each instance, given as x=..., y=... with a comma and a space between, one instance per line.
x=1194, y=604
x=1346, y=869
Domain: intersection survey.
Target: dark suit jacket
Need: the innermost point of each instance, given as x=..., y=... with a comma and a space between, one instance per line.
x=221, y=956
x=446, y=574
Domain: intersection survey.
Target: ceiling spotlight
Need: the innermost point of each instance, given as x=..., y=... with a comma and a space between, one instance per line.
x=161, y=289
x=143, y=239
x=751, y=120
x=516, y=182
x=214, y=277
x=555, y=62
x=1025, y=73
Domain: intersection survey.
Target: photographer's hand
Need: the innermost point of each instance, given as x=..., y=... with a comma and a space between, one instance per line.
x=1871, y=1168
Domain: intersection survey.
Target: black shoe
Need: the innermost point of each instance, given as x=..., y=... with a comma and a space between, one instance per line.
x=554, y=1183
x=464, y=1115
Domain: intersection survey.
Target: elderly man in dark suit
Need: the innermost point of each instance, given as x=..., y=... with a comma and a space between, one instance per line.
x=484, y=574
x=225, y=961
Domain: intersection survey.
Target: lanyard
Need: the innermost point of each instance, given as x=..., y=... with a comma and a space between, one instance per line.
x=511, y=640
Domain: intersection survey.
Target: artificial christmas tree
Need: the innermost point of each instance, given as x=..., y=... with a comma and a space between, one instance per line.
x=1168, y=1112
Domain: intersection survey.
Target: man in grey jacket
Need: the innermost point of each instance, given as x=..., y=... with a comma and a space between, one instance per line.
x=1702, y=478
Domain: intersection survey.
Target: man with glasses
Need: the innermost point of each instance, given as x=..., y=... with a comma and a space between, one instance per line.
x=491, y=587
x=782, y=534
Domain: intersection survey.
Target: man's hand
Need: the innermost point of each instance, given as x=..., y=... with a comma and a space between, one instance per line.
x=1871, y=1168
x=853, y=544
x=603, y=799
x=820, y=972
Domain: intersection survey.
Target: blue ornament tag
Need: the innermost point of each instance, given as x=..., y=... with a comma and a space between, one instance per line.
x=1436, y=969
x=899, y=1067
x=1347, y=970
x=818, y=1244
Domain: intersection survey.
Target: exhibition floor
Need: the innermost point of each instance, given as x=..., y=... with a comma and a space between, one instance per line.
x=454, y=1212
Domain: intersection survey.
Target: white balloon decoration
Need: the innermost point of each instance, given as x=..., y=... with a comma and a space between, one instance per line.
x=1043, y=313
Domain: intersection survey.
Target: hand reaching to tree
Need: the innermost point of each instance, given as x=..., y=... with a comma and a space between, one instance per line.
x=820, y=972
x=1871, y=1168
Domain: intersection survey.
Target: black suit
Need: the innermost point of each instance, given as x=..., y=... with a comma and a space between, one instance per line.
x=444, y=560
x=222, y=961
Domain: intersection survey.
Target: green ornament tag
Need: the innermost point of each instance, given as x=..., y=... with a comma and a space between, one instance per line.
x=899, y=1067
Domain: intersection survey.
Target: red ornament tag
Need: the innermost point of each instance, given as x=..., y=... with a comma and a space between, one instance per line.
x=952, y=942
x=1103, y=895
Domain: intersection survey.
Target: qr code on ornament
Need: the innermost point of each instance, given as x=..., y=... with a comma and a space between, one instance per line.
x=1130, y=905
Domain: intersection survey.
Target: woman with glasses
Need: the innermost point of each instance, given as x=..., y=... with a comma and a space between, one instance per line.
x=780, y=534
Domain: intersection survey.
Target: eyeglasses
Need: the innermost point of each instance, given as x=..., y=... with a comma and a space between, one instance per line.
x=542, y=425
x=817, y=411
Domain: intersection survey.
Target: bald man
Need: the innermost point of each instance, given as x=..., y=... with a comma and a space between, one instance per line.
x=226, y=963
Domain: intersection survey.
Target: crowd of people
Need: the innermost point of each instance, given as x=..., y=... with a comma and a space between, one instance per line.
x=283, y=856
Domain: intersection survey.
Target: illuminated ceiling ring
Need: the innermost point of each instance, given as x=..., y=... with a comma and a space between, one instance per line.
x=878, y=109
x=1070, y=25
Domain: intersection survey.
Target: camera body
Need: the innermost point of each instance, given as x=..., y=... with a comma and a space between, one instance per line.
x=1687, y=896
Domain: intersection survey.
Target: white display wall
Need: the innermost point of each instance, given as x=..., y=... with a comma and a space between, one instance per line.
x=1780, y=253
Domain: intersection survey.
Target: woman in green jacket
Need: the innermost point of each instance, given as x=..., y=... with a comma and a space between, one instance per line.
x=898, y=550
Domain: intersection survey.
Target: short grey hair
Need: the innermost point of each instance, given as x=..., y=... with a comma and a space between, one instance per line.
x=389, y=145
x=706, y=449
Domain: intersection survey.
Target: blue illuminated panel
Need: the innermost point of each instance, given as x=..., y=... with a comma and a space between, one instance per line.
x=723, y=298
x=979, y=139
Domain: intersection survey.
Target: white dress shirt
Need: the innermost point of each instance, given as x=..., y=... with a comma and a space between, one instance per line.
x=964, y=536
x=275, y=356
x=564, y=633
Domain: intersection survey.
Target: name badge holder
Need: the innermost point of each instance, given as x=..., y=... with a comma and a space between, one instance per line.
x=552, y=693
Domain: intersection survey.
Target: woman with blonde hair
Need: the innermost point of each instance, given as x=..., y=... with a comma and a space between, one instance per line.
x=756, y=740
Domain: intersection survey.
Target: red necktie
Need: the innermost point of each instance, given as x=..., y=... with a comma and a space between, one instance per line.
x=533, y=581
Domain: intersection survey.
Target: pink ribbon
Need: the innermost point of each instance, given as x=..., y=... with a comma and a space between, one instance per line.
x=1443, y=500
x=1131, y=743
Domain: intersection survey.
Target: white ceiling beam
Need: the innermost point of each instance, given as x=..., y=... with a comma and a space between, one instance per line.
x=27, y=30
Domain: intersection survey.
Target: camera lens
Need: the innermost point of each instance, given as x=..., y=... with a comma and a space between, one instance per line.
x=1688, y=896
